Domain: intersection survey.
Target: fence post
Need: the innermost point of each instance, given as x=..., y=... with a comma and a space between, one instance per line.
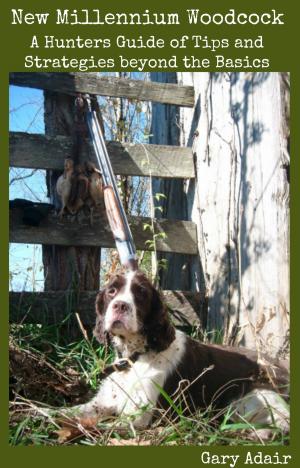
x=66, y=267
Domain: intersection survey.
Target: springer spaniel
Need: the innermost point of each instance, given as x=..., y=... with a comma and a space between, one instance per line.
x=160, y=360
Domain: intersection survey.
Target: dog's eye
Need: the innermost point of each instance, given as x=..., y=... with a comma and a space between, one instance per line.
x=112, y=291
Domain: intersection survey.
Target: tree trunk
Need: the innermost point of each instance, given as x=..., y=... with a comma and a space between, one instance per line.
x=66, y=267
x=241, y=202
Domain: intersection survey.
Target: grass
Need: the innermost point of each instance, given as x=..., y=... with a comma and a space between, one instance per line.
x=59, y=373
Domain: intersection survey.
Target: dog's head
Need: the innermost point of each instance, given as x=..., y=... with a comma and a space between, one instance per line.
x=130, y=306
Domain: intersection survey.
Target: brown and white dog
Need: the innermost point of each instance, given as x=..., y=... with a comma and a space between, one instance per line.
x=130, y=311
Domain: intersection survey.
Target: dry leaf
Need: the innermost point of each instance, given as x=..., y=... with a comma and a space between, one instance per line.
x=64, y=435
x=72, y=428
x=124, y=442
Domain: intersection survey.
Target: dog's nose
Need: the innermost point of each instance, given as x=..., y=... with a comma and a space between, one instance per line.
x=121, y=307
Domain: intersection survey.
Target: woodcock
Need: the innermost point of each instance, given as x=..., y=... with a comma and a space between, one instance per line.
x=80, y=186
x=79, y=189
x=64, y=184
x=95, y=198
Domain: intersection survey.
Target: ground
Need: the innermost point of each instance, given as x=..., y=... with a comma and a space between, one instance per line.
x=46, y=371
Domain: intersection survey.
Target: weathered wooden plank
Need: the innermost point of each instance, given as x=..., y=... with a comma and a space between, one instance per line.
x=93, y=83
x=175, y=236
x=43, y=152
x=50, y=308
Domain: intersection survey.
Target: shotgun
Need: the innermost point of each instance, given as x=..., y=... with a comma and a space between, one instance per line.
x=114, y=209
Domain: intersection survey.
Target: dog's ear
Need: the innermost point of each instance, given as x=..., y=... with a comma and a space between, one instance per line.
x=158, y=329
x=98, y=331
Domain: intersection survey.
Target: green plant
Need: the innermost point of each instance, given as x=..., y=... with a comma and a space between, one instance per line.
x=83, y=360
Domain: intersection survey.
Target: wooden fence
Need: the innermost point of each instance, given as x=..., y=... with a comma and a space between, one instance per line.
x=48, y=152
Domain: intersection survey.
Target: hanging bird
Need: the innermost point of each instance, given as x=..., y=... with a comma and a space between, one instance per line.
x=79, y=189
x=64, y=184
x=95, y=198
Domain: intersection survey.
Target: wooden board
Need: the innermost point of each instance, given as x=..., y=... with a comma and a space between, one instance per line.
x=43, y=152
x=49, y=308
x=181, y=236
x=72, y=83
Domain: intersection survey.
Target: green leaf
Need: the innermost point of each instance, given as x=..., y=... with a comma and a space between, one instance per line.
x=237, y=426
x=149, y=242
x=158, y=196
x=147, y=226
x=160, y=235
x=168, y=398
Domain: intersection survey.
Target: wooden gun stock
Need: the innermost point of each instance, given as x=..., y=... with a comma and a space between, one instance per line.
x=113, y=214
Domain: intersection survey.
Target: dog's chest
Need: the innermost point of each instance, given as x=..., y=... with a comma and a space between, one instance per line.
x=139, y=386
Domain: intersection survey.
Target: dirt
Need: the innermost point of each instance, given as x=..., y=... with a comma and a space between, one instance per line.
x=34, y=378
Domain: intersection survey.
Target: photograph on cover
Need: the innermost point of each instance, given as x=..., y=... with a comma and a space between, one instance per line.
x=149, y=258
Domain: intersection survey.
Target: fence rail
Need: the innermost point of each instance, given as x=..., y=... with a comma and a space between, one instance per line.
x=50, y=308
x=43, y=152
x=92, y=83
x=175, y=236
